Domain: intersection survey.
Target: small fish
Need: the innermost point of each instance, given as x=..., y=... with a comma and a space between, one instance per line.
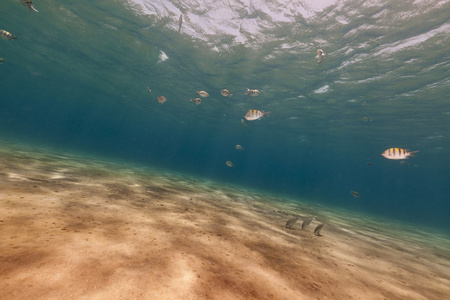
x=226, y=93
x=318, y=229
x=202, y=94
x=149, y=90
x=251, y=92
x=161, y=99
x=354, y=194
x=230, y=164
x=320, y=55
x=398, y=153
x=366, y=119
x=1, y=60
x=306, y=223
x=291, y=222
x=370, y=164
x=239, y=147
x=243, y=123
x=29, y=4
x=180, y=21
x=254, y=114
x=196, y=101
x=6, y=35
x=364, y=103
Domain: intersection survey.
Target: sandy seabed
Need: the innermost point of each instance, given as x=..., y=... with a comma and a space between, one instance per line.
x=74, y=228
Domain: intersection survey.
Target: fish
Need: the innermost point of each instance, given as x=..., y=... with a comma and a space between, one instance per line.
x=1, y=60
x=366, y=119
x=251, y=92
x=306, y=223
x=318, y=229
x=29, y=4
x=354, y=193
x=226, y=93
x=6, y=35
x=202, y=94
x=180, y=22
x=239, y=147
x=243, y=123
x=149, y=90
x=230, y=164
x=161, y=99
x=398, y=153
x=370, y=164
x=254, y=114
x=291, y=222
x=404, y=163
x=320, y=55
x=196, y=101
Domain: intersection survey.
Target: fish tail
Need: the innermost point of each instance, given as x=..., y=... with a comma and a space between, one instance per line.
x=411, y=153
x=266, y=113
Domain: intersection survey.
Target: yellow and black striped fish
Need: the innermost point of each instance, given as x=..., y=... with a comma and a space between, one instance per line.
x=254, y=114
x=6, y=35
x=398, y=153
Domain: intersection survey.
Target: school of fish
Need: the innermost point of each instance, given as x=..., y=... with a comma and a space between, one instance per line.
x=394, y=153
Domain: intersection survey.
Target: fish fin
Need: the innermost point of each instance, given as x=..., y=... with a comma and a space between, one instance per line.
x=411, y=153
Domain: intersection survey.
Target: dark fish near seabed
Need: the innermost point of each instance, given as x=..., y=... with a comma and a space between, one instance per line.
x=291, y=222
x=318, y=229
x=180, y=21
x=306, y=223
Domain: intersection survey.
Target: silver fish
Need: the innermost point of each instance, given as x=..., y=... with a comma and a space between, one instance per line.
x=291, y=222
x=320, y=55
x=306, y=223
x=251, y=92
x=239, y=147
x=318, y=229
x=6, y=35
x=254, y=114
x=29, y=4
x=149, y=90
x=243, y=123
x=202, y=93
x=180, y=21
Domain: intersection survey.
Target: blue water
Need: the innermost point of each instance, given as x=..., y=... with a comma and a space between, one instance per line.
x=76, y=79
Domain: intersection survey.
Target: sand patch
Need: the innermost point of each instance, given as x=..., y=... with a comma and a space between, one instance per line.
x=91, y=230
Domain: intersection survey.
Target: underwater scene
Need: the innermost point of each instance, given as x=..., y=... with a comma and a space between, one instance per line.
x=164, y=149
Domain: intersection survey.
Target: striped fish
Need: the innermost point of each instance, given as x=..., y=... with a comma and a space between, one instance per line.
x=6, y=35
x=254, y=114
x=251, y=92
x=398, y=153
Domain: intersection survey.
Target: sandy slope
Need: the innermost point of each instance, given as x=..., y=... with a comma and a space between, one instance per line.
x=82, y=230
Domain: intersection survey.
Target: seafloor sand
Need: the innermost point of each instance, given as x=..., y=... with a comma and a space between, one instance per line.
x=74, y=229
